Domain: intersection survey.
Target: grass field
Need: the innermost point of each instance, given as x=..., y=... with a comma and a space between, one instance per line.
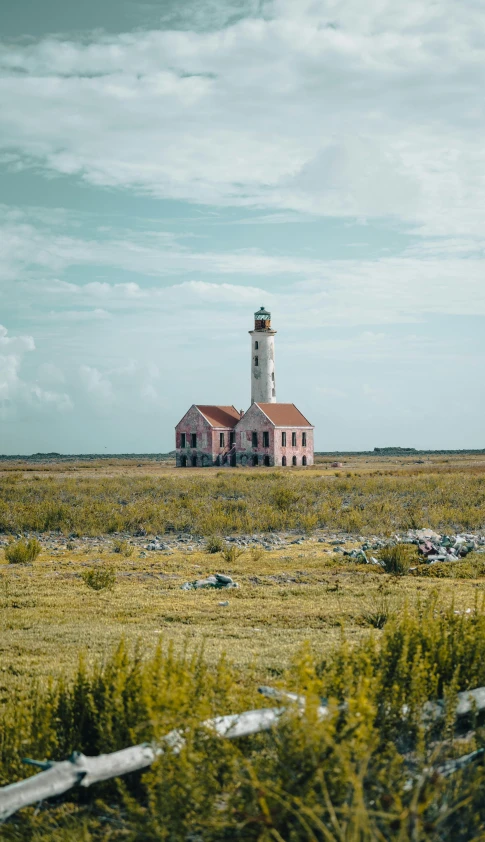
x=295, y=597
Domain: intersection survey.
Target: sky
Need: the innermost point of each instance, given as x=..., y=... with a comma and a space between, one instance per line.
x=167, y=168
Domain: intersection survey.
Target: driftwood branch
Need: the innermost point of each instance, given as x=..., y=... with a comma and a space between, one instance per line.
x=57, y=777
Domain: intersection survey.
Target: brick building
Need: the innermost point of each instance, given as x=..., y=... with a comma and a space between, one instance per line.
x=274, y=434
x=269, y=433
x=206, y=436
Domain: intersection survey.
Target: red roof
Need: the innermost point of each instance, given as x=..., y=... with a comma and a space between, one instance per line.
x=284, y=415
x=220, y=416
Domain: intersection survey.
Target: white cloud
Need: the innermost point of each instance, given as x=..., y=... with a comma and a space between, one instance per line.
x=17, y=393
x=331, y=108
x=98, y=388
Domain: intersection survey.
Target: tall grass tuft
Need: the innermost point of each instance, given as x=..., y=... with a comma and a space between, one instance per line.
x=23, y=552
x=397, y=559
x=99, y=578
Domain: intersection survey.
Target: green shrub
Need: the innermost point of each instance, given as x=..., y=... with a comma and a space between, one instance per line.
x=99, y=578
x=231, y=554
x=284, y=498
x=473, y=567
x=256, y=554
x=23, y=552
x=398, y=559
x=123, y=547
x=378, y=615
x=214, y=544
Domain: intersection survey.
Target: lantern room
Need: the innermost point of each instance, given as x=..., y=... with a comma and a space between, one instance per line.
x=262, y=319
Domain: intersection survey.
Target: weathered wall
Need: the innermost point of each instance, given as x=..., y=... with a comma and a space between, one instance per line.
x=208, y=450
x=299, y=451
x=255, y=420
x=263, y=386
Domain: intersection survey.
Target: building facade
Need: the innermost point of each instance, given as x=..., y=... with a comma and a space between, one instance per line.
x=274, y=434
x=205, y=436
x=269, y=433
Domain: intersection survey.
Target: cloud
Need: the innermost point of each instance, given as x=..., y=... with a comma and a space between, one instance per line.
x=15, y=344
x=98, y=387
x=16, y=393
x=314, y=108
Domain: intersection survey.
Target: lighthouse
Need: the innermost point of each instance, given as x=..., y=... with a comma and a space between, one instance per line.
x=263, y=388
x=268, y=433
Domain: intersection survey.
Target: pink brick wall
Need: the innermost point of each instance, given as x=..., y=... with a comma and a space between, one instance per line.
x=208, y=446
x=255, y=420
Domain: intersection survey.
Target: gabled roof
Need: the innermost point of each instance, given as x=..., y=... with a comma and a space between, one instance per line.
x=219, y=416
x=284, y=414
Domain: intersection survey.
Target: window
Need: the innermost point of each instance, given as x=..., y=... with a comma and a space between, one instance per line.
x=283, y=439
x=183, y=440
x=273, y=393
x=256, y=345
x=221, y=439
x=283, y=461
x=265, y=439
x=303, y=439
x=293, y=439
x=303, y=461
x=255, y=439
x=232, y=439
x=293, y=461
x=272, y=376
x=256, y=361
x=194, y=439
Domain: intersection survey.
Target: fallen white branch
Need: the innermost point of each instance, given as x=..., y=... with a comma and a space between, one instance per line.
x=58, y=777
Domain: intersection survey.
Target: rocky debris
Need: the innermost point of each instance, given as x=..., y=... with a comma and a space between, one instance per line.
x=219, y=581
x=434, y=547
x=357, y=555
x=431, y=546
x=157, y=545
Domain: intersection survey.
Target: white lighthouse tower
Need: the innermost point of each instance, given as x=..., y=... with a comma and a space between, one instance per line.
x=263, y=388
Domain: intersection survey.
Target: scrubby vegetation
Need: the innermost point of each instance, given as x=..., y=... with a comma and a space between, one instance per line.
x=217, y=503
x=365, y=773
x=23, y=552
x=397, y=559
x=375, y=642
x=99, y=578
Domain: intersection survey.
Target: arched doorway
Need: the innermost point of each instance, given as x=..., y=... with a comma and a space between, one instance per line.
x=303, y=461
x=183, y=461
x=266, y=460
x=194, y=461
x=293, y=461
x=283, y=461
x=255, y=459
x=205, y=461
x=244, y=461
